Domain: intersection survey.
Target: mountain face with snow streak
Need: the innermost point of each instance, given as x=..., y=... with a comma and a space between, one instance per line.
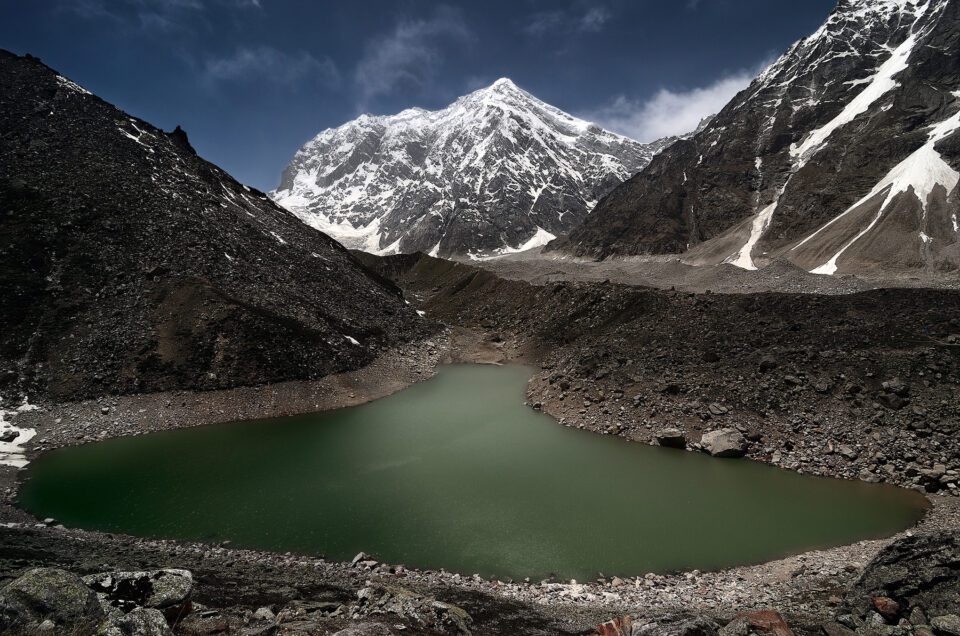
x=842, y=156
x=497, y=171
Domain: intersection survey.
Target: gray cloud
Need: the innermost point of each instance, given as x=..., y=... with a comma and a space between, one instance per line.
x=409, y=55
x=567, y=21
x=265, y=63
x=151, y=15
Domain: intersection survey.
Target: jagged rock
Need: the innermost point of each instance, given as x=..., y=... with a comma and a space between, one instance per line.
x=767, y=363
x=886, y=607
x=622, y=626
x=49, y=594
x=760, y=622
x=727, y=442
x=948, y=625
x=671, y=438
x=141, y=621
x=424, y=610
x=698, y=627
x=920, y=570
x=366, y=629
x=836, y=629
x=166, y=590
x=892, y=401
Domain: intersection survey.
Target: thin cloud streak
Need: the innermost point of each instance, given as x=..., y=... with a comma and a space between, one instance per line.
x=267, y=64
x=590, y=20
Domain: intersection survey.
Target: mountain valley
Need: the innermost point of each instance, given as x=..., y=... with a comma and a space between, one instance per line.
x=779, y=286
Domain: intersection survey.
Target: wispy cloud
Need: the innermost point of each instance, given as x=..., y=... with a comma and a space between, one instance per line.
x=151, y=15
x=410, y=55
x=267, y=64
x=669, y=112
x=589, y=19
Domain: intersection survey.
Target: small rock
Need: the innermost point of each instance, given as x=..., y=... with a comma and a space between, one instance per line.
x=671, y=438
x=888, y=608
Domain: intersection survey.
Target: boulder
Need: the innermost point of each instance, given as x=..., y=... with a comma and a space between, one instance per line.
x=49, y=594
x=920, y=570
x=427, y=611
x=616, y=627
x=365, y=629
x=887, y=607
x=727, y=442
x=167, y=590
x=948, y=625
x=671, y=438
x=759, y=622
x=139, y=622
x=767, y=363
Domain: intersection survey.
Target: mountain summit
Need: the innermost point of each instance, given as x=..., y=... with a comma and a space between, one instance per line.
x=841, y=157
x=496, y=171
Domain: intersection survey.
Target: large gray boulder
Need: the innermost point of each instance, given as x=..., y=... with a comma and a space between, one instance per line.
x=49, y=594
x=139, y=622
x=727, y=442
x=166, y=590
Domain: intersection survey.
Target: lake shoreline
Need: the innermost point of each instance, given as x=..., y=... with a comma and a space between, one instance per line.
x=796, y=585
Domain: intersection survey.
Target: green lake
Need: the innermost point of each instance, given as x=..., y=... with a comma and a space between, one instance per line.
x=457, y=473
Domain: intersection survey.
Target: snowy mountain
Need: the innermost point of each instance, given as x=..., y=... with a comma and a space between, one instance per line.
x=497, y=171
x=842, y=156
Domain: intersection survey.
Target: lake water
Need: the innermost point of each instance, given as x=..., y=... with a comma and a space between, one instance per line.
x=457, y=473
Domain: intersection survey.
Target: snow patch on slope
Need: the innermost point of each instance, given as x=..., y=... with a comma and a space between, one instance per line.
x=877, y=86
x=921, y=172
x=13, y=452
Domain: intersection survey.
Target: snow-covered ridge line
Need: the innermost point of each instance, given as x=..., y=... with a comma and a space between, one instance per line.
x=496, y=170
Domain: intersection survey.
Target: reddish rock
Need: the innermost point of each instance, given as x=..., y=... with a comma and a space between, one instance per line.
x=767, y=622
x=616, y=627
x=886, y=607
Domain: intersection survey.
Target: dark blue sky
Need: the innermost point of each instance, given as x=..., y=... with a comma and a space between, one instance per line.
x=251, y=80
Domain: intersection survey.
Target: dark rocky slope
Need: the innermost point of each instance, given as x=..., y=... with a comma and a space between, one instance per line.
x=130, y=264
x=843, y=123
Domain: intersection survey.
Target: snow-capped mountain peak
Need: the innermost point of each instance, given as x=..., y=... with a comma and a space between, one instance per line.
x=496, y=171
x=840, y=157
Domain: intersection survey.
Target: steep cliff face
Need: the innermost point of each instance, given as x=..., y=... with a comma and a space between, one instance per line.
x=130, y=264
x=497, y=171
x=841, y=156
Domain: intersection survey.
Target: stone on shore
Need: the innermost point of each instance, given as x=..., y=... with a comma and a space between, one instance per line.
x=726, y=442
x=671, y=438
